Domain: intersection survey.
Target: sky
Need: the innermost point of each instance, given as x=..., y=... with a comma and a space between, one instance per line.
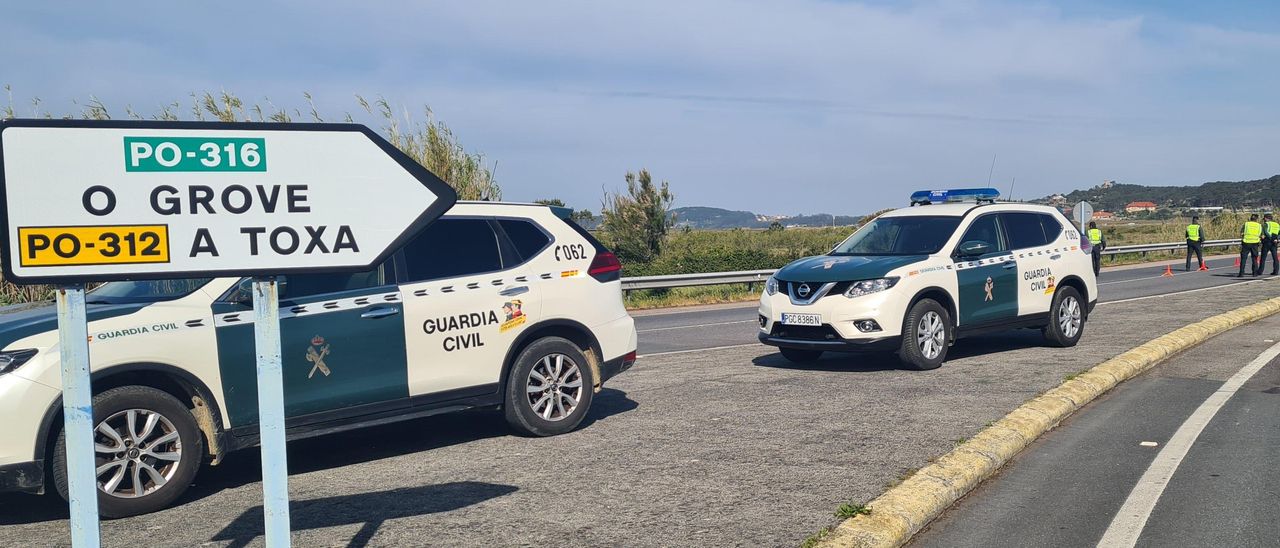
x=779, y=107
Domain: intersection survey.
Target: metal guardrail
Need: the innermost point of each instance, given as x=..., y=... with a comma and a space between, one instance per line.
x=1176, y=246
x=752, y=277
x=689, y=280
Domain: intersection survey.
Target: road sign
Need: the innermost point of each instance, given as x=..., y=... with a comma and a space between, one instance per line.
x=1081, y=213
x=107, y=200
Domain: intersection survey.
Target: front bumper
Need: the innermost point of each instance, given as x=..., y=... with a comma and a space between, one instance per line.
x=23, y=406
x=27, y=477
x=877, y=344
x=840, y=314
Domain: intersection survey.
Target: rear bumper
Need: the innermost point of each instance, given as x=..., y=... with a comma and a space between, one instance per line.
x=612, y=368
x=878, y=344
x=26, y=477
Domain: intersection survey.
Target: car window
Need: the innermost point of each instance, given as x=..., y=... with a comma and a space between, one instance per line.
x=306, y=285
x=1024, y=230
x=986, y=229
x=452, y=247
x=910, y=235
x=144, y=291
x=526, y=236
x=1052, y=228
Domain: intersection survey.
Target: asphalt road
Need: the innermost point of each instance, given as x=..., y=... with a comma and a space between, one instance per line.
x=725, y=325
x=728, y=446
x=1069, y=487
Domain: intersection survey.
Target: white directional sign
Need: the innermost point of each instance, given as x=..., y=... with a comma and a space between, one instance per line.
x=105, y=200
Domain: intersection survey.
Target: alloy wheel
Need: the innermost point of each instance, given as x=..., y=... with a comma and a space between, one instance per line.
x=554, y=387
x=1069, y=316
x=930, y=335
x=137, y=452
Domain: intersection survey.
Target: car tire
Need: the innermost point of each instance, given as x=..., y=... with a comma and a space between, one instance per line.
x=926, y=335
x=173, y=426
x=549, y=389
x=1067, y=317
x=796, y=355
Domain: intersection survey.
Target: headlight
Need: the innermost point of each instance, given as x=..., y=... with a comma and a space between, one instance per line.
x=867, y=287
x=771, y=285
x=12, y=359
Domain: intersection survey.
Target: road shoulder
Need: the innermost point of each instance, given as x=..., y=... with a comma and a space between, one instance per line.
x=905, y=509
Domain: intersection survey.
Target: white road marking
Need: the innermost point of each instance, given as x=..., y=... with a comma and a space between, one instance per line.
x=695, y=325
x=1232, y=284
x=1149, y=444
x=699, y=350
x=1129, y=522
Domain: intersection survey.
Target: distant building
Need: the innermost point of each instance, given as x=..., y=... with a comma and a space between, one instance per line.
x=1108, y=184
x=1208, y=209
x=1135, y=207
x=1102, y=216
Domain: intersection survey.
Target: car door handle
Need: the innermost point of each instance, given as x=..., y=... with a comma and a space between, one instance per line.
x=513, y=291
x=1010, y=264
x=379, y=312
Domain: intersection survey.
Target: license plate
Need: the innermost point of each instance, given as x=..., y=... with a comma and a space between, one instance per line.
x=801, y=319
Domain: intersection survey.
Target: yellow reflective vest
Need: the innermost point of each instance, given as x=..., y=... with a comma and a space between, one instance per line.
x=1273, y=228
x=1252, y=232
x=1193, y=233
x=1095, y=236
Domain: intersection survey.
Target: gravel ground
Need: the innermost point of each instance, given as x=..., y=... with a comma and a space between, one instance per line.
x=732, y=447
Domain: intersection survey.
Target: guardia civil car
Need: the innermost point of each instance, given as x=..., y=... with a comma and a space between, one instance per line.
x=505, y=305
x=913, y=280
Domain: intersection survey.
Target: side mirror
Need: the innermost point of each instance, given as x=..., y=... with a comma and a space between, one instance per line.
x=973, y=248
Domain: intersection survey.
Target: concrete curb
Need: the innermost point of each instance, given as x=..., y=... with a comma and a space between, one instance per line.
x=905, y=509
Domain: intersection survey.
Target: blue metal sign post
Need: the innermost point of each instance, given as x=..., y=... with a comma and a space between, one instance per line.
x=77, y=413
x=275, y=473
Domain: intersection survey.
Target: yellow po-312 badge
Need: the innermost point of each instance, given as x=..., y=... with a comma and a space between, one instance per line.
x=316, y=354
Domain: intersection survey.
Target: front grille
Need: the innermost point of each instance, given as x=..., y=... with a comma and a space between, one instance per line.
x=822, y=332
x=787, y=288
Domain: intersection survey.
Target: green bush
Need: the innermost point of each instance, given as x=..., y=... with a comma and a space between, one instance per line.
x=687, y=252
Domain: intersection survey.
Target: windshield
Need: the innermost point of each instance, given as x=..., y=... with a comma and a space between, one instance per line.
x=914, y=235
x=144, y=291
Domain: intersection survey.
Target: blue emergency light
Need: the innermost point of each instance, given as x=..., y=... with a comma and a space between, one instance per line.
x=977, y=195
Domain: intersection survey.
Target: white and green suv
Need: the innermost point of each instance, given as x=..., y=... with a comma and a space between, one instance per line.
x=482, y=309
x=915, y=279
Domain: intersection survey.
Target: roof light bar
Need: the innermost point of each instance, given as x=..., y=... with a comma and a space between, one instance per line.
x=978, y=195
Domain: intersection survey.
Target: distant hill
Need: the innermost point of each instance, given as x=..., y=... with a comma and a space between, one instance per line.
x=714, y=217
x=1228, y=194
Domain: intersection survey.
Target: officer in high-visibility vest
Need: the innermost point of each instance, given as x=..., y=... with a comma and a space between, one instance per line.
x=1250, y=245
x=1099, y=242
x=1195, y=242
x=1270, y=240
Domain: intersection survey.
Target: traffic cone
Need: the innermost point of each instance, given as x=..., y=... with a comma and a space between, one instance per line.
x=1237, y=265
x=1168, y=272
x=1204, y=268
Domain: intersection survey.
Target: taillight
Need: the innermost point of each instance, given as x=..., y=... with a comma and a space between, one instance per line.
x=605, y=267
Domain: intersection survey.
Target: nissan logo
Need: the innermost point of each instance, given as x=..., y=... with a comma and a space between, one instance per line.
x=803, y=290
